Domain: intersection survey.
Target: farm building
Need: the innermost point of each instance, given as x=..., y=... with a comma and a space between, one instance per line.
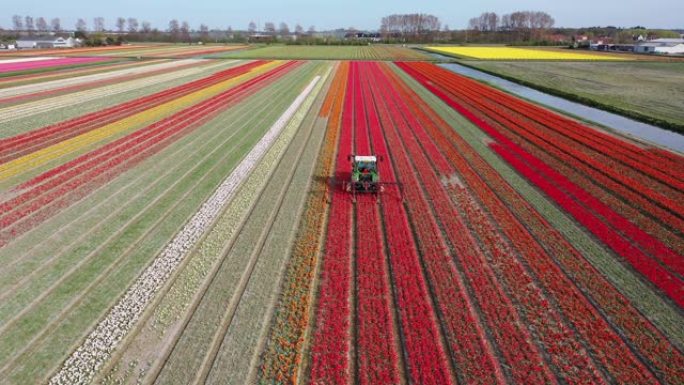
x=661, y=47
x=46, y=41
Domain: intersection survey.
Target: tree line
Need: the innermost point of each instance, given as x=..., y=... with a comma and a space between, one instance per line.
x=409, y=27
x=520, y=26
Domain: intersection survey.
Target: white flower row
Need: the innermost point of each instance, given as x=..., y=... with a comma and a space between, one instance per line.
x=28, y=59
x=81, y=366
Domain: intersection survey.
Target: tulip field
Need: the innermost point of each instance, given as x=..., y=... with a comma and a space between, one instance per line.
x=515, y=53
x=183, y=221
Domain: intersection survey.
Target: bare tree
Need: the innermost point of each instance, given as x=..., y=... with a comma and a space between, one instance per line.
x=56, y=24
x=174, y=29
x=269, y=28
x=252, y=27
x=312, y=29
x=204, y=31
x=299, y=29
x=98, y=24
x=146, y=27
x=418, y=26
x=28, y=24
x=283, y=29
x=41, y=24
x=17, y=22
x=185, y=31
x=81, y=25
x=120, y=24
x=132, y=25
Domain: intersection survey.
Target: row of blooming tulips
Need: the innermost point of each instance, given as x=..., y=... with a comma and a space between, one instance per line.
x=670, y=258
x=581, y=277
x=376, y=343
x=557, y=337
x=101, y=342
x=50, y=192
x=16, y=146
x=607, y=146
x=645, y=194
x=426, y=356
x=588, y=210
x=500, y=317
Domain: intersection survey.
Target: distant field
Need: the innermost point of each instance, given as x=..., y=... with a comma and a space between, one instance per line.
x=654, y=90
x=374, y=52
x=509, y=53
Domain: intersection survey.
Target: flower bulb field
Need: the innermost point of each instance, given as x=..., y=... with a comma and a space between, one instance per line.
x=185, y=219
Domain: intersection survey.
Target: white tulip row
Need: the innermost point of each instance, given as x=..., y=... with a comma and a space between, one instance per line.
x=81, y=366
x=44, y=105
x=60, y=83
x=27, y=59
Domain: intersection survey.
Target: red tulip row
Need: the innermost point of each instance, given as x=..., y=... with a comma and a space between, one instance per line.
x=377, y=357
x=331, y=338
x=48, y=193
x=662, y=193
x=517, y=346
x=672, y=260
x=581, y=279
x=16, y=146
x=562, y=344
x=602, y=145
x=470, y=349
x=531, y=168
x=427, y=361
x=662, y=277
x=567, y=354
x=650, y=201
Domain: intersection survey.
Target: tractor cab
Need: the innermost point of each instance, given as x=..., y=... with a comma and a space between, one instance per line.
x=365, y=177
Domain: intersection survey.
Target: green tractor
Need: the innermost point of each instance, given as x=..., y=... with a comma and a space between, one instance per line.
x=365, y=177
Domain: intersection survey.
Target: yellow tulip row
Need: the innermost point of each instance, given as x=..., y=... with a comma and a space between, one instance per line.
x=509, y=53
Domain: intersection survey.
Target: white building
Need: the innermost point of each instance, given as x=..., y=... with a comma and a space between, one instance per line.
x=661, y=47
x=46, y=41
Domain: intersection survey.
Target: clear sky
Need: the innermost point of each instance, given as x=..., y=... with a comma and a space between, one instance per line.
x=361, y=14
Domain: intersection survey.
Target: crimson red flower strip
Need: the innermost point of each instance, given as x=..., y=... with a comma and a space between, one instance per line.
x=526, y=362
x=330, y=341
x=562, y=344
x=377, y=359
x=652, y=344
x=471, y=351
x=568, y=153
x=671, y=259
x=662, y=278
x=629, y=154
x=16, y=146
x=669, y=284
x=426, y=359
